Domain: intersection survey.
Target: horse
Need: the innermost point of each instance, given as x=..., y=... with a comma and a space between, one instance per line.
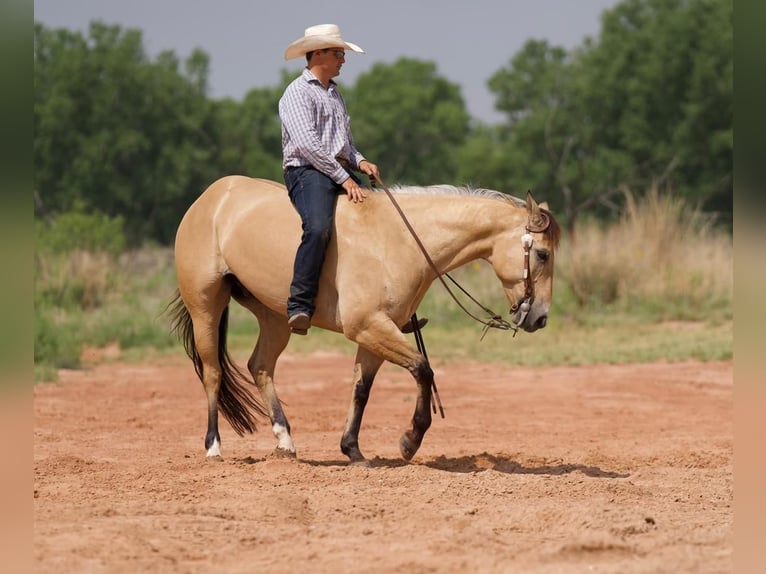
x=238, y=241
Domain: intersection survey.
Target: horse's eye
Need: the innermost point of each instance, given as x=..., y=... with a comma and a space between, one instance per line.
x=543, y=255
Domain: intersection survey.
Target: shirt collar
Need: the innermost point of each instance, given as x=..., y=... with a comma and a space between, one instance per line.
x=310, y=77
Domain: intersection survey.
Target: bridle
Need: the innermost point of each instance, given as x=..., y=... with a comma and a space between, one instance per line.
x=495, y=321
x=529, y=285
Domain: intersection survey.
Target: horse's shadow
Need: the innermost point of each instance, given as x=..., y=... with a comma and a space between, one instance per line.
x=507, y=465
x=477, y=463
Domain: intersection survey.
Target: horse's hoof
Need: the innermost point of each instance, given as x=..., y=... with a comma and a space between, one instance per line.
x=407, y=447
x=214, y=458
x=282, y=453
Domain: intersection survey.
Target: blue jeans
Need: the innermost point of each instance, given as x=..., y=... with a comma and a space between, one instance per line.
x=314, y=196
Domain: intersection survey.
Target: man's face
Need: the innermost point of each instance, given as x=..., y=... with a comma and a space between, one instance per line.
x=331, y=60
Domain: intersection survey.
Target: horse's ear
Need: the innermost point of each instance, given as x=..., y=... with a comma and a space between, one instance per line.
x=537, y=220
x=532, y=206
x=531, y=201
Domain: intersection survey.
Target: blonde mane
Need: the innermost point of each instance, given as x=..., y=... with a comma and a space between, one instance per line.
x=553, y=231
x=454, y=190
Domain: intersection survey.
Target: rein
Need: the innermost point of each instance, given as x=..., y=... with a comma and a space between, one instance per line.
x=495, y=320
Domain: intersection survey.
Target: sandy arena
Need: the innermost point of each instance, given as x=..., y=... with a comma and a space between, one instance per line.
x=537, y=470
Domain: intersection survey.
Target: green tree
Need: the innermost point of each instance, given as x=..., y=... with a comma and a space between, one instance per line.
x=538, y=94
x=647, y=102
x=115, y=132
x=540, y=146
x=249, y=133
x=660, y=88
x=408, y=120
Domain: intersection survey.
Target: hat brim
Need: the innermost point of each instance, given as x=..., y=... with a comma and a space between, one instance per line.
x=308, y=44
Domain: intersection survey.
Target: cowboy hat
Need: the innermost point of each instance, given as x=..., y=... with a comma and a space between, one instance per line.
x=319, y=37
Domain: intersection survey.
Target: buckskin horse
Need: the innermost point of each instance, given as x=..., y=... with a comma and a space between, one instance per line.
x=239, y=238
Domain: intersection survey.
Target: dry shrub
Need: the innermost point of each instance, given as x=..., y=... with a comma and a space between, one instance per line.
x=660, y=251
x=80, y=279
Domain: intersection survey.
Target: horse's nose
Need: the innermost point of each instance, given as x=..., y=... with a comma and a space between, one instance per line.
x=541, y=322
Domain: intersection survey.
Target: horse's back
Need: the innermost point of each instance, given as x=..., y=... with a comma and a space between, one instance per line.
x=233, y=188
x=248, y=228
x=229, y=201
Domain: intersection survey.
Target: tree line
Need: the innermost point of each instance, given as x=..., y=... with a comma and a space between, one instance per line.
x=647, y=102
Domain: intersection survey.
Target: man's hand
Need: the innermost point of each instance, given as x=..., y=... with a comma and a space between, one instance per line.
x=354, y=192
x=370, y=169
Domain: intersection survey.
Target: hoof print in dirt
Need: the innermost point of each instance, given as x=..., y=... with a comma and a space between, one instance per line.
x=280, y=453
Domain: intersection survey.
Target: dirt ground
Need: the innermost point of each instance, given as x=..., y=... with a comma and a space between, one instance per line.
x=609, y=469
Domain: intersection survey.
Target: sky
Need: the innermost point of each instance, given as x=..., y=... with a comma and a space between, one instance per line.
x=468, y=40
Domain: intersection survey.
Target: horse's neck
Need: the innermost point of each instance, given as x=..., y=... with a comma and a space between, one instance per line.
x=458, y=229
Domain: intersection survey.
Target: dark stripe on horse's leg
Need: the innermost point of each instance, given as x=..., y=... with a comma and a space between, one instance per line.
x=280, y=426
x=183, y=326
x=212, y=429
x=349, y=442
x=365, y=369
x=421, y=418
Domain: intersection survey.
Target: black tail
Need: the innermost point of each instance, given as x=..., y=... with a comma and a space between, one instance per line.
x=235, y=401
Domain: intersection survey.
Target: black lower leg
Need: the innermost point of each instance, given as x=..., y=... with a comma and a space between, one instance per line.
x=421, y=419
x=349, y=442
x=212, y=429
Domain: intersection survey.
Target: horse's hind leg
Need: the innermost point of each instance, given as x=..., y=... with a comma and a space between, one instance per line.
x=272, y=340
x=366, y=367
x=206, y=321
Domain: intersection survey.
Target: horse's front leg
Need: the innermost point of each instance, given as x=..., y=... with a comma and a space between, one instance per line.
x=410, y=441
x=384, y=339
x=366, y=366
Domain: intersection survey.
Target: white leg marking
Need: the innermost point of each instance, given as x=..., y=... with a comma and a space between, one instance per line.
x=284, y=440
x=215, y=449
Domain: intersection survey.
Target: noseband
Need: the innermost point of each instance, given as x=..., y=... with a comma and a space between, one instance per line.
x=529, y=285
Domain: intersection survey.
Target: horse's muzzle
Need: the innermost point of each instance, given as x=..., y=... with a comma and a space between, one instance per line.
x=530, y=326
x=524, y=317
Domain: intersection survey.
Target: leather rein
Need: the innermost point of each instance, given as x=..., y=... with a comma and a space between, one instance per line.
x=495, y=321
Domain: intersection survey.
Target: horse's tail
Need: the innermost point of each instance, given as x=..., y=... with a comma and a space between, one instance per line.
x=235, y=401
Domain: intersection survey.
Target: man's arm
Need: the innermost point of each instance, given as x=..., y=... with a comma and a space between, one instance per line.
x=297, y=115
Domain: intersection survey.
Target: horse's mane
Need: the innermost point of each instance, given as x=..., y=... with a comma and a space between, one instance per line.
x=553, y=231
x=454, y=190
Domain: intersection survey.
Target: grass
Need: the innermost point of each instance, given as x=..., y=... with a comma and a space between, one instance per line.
x=654, y=286
x=660, y=251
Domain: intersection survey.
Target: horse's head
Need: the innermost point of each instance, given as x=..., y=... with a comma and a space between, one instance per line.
x=523, y=260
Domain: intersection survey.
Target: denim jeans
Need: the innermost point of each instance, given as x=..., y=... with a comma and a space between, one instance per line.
x=314, y=196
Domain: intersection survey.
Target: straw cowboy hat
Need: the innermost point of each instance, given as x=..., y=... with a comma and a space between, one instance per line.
x=318, y=37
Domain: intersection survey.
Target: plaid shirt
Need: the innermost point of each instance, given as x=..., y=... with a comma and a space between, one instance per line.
x=316, y=127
